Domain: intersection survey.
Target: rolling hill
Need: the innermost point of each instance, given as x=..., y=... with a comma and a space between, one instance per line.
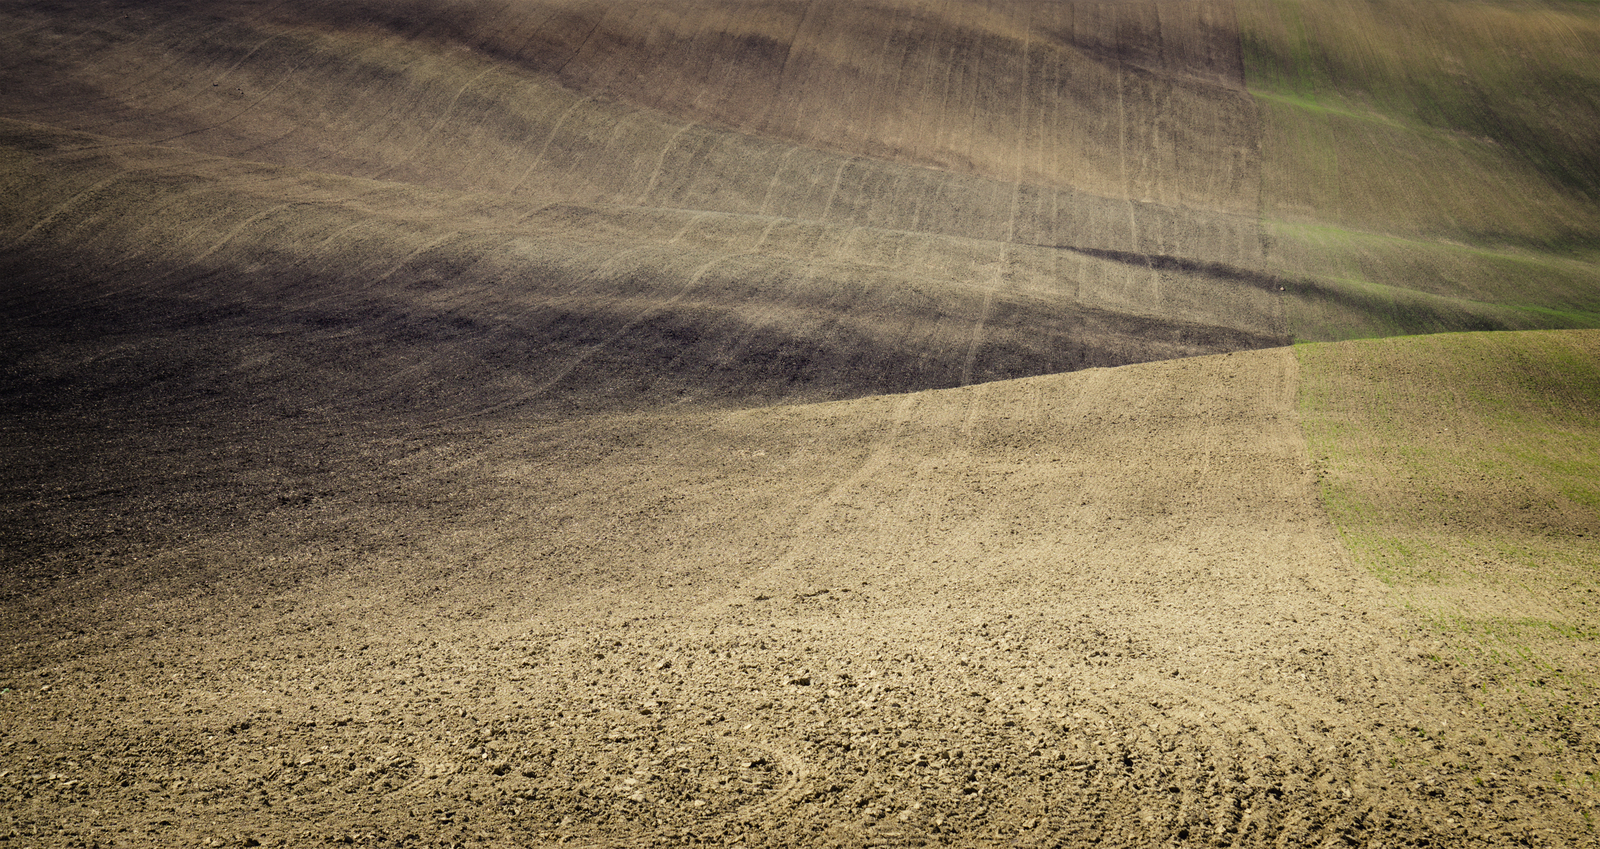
x=524, y=422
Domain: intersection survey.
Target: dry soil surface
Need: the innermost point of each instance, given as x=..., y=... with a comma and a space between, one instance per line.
x=829, y=423
x=1103, y=607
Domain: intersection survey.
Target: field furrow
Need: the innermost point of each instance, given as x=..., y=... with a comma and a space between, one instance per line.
x=798, y=423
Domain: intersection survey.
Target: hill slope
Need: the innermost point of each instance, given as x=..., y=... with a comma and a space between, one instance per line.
x=1461, y=470
x=1428, y=167
x=916, y=615
x=512, y=423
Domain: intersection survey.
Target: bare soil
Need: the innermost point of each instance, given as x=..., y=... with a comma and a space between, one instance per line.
x=796, y=424
x=930, y=618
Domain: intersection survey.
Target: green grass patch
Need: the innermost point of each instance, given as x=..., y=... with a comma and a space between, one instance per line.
x=1310, y=104
x=1353, y=284
x=1463, y=471
x=1560, y=317
x=1519, y=74
x=1428, y=166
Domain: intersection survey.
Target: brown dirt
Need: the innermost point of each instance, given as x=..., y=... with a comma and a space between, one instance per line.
x=527, y=423
x=931, y=617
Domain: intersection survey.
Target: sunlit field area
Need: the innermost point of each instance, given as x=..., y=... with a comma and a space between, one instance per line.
x=796, y=423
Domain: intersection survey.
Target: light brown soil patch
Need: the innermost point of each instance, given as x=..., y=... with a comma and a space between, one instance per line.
x=932, y=617
x=526, y=423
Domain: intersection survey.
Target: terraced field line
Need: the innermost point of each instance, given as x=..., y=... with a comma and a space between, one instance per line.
x=516, y=55
x=152, y=221
x=311, y=256
x=240, y=228
x=766, y=233
x=874, y=115
x=137, y=84
x=661, y=161
x=995, y=281
x=976, y=338
x=687, y=226
x=974, y=68
x=583, y=356
x=490, y=159
x=918, y=133
x=783, y=162
x=764, y=316
x=381, y=124
x=887, y=117
x=252, y=105
x=245, y=58
x=789, y=50
x=1051, y=144
x=773, y=304
x=1022, y=126
x=583, y=43
x=16, y=33
x=444, y=115
x=418, y=251
x=67, y=205
x=838, y=177
x=944, y=96
x=244, y=153
x=523, y=218
x=841, y=246
x=555, y=128
x=916, y=211
x=1122, y=148
x=125, y=259
x=781, y=118
x=148, y=284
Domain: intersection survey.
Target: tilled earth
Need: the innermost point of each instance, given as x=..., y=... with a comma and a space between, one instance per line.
x=408, y=438
x=1093, y=608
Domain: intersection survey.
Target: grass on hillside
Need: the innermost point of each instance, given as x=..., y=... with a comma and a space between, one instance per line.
x=1464, y=471
x=1369, y=284
x=1517, y=75
x=1429, y=166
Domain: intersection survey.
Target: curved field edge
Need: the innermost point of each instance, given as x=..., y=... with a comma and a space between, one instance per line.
x=892, y=619
x=1047, y=130
x=1463, y=470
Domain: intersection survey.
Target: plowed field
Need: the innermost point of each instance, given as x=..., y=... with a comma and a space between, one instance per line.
x=798, y=423
x=1100, y=606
